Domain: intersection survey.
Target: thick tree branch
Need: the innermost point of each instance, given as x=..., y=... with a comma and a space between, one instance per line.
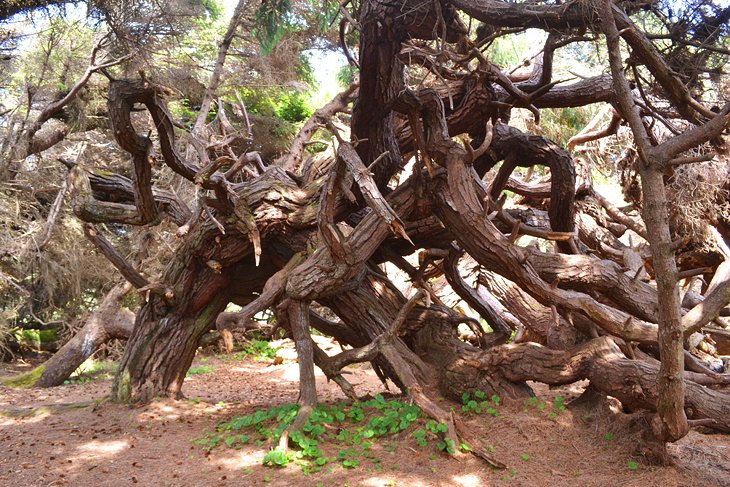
x=694, y=137
x=218, y=69
x=293, y=159
x=111, y=253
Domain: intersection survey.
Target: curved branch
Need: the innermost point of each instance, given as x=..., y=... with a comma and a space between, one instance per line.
x=507, y=14
x=520, y=149
x=471, y=296
x=293, y=159
x=633, y=382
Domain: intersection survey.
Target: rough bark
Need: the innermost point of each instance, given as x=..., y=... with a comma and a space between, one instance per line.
x=168, y=328
x=281, y=241
x=519, y=149
x=382, y=80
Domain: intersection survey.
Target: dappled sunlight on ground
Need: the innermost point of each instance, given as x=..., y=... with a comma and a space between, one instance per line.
x=103, y=448
x=466, y=480
x=105, y=444
x=38, y=416
x=239, y=460
x=379, y=481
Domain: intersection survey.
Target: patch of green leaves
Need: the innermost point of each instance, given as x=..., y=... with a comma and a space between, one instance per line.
x=258, y=350
x=199, y=370
x=289, y=105
x=478, y=404
x=446, y=445
x=435, y=427
x=420, y=436
x=278, y=457
x=353, y=427
x=558, y=405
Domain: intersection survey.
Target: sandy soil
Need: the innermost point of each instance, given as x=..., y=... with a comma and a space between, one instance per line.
x=47, y=439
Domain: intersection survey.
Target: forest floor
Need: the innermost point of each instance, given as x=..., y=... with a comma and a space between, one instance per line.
x=69, y=435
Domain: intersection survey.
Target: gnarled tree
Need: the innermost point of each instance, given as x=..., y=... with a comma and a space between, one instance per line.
x=285, y=234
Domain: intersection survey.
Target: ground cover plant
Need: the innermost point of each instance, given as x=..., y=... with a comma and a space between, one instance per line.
x=349, y=429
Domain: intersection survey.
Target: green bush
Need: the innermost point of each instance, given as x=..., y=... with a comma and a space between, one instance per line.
x=294, y=107
x=290, y=105
x=259, y=350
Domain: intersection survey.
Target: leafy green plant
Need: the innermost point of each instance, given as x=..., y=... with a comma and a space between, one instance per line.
x=256, y=349
x=294, y=107
x=420, y=436
x=464, y=447
x=446, y=445
x=181, y=111
x=272, y=21
x=353, y=427
x=287, y=104
x=435, y=427
x=529, y=402
x=479, y=404
x=631, y=465
x=34, y=338
x=558, y=405
x=278, y=457
x=199, y=370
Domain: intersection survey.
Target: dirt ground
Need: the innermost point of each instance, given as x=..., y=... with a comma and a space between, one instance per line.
x=69, y=436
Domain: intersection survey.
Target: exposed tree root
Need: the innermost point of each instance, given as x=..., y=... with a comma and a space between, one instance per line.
x=49, y=409
x=402, y=362
x=602, y=362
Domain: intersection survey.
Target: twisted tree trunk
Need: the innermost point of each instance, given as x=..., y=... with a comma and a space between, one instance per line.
x=282, y=237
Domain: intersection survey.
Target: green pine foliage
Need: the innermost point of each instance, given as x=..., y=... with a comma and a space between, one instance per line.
x=273, y=20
